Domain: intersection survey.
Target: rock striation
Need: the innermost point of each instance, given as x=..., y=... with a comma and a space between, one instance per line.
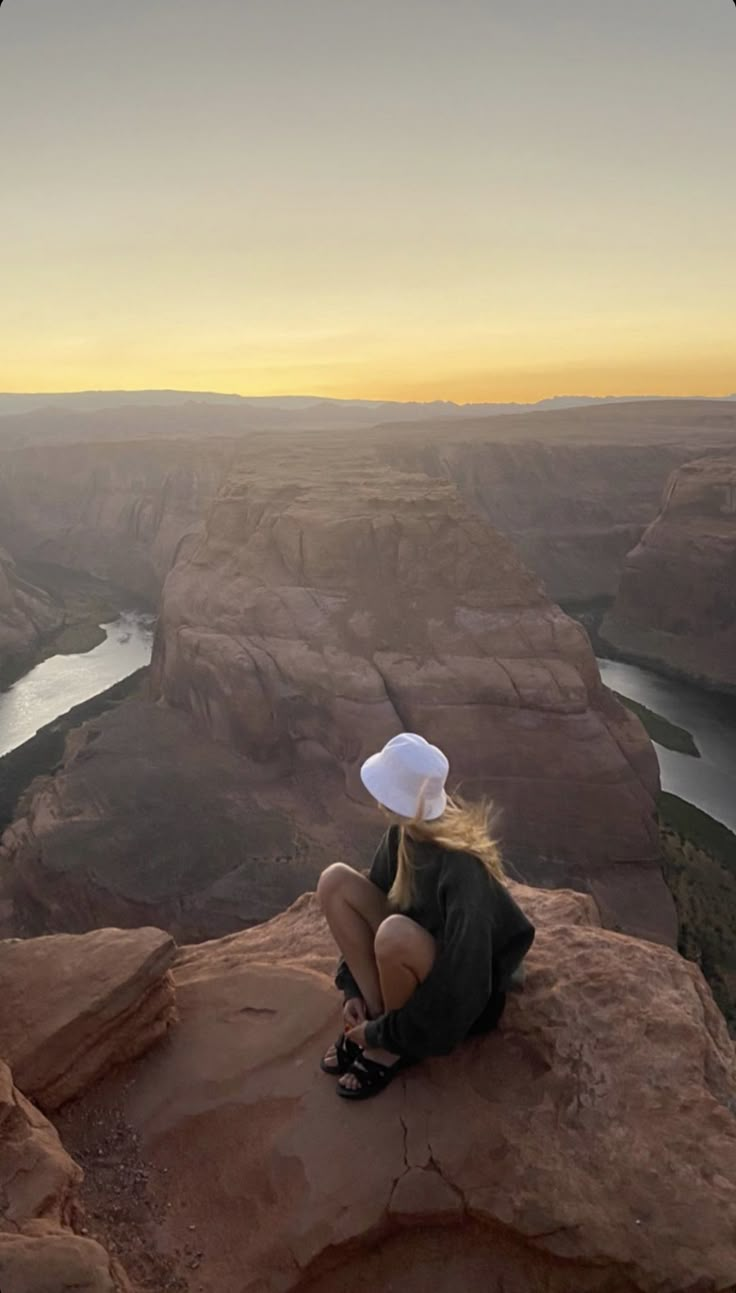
x=27, y=614
x=676, y=604
x=73, y=1007
x=589, y=1144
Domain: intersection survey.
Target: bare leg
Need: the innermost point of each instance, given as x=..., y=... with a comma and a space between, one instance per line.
x=354, y=909
x=405, y=954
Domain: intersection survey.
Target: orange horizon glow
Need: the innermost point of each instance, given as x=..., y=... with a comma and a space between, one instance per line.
x=501, y=394
x=712, y=378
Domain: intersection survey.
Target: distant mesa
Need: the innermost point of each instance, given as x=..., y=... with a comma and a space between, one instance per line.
x=304, y=405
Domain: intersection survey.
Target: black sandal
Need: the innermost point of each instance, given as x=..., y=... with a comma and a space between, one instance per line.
x=372, y=1077
x=346, y=1054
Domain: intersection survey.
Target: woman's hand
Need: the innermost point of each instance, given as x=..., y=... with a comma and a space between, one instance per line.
x=357, y=1035
x=354, y=1012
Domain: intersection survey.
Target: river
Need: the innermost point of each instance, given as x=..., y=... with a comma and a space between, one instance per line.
x=710, y=781
x=62, y=681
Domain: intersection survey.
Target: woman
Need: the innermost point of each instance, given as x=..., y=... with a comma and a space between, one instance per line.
x=431, y=939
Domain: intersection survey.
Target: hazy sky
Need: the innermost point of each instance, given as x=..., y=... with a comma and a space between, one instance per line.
x=468, y=199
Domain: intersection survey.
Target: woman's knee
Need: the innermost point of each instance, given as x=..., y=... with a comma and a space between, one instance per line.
x=396, y=935
x=333, y=882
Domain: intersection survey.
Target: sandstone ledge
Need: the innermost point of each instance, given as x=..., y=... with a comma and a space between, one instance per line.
x=72, y=1007
x=589, y=1144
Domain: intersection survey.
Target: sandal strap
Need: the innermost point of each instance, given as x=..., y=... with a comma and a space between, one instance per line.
x=344, y=1046
x=345, y=1053
x=371, y=1072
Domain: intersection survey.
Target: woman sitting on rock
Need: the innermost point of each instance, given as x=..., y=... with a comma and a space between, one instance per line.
x=431, y=939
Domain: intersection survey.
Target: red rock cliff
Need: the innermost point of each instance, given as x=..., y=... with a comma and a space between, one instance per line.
x=676, y=605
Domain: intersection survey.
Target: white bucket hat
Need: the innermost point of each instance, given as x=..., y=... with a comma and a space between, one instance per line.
x=408, y=776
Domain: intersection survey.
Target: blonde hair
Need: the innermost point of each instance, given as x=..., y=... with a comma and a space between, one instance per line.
x=462, y=828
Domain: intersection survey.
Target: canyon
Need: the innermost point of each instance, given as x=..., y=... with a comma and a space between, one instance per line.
x=316, y=594
x=116, y=489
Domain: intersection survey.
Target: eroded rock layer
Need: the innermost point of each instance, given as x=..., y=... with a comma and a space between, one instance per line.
x=676, y=605
x=72, y=1007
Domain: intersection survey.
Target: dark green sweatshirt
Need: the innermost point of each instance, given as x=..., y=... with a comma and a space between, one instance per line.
x=482, y=936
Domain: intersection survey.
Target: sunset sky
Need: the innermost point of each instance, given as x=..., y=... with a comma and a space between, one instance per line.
x=404, y=199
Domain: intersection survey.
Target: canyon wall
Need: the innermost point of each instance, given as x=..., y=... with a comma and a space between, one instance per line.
x=115, y=510
x=676, y=605
x=573, y=511
x=573, y=488
x=149, y=822
x=27, y=614
x=113, y=491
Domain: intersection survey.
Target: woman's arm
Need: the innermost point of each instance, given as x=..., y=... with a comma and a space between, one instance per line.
x=441, y=1012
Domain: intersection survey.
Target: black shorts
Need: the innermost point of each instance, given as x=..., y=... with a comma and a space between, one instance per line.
x=490, y=1015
